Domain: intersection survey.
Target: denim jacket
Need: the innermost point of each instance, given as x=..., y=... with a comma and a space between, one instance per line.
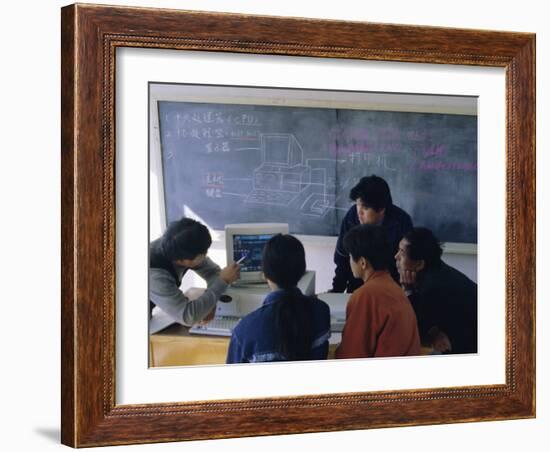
x=254, y=339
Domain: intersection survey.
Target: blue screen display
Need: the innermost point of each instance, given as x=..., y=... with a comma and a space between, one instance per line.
x=251, y=248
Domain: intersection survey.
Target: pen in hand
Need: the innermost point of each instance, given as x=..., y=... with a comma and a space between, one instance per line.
x=241, y=259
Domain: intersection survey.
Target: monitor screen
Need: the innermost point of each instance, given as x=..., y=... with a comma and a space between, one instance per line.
x=276, y=150
x=244, y=244
x=249, y=246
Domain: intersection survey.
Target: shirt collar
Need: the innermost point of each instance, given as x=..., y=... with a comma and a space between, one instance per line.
x=377, y=274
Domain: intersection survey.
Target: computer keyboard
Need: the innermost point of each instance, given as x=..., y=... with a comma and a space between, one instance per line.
x=218, y=326
x=223, y=326
x=282, y=198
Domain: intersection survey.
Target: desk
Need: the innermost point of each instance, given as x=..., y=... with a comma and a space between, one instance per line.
x=174, y=346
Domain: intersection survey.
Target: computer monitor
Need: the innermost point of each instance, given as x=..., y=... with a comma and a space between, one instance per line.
x=246, y=241
x=276, y=148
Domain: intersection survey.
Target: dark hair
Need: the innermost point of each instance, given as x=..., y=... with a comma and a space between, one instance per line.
x=284, y=260
x=284, y=263
x=185, y=239
x=423, y=245
x=370, y=242
x=373, y=191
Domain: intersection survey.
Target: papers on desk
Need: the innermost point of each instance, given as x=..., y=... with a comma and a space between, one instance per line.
x=159, y=321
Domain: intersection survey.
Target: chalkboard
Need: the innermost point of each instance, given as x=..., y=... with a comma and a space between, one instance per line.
x=230, y=163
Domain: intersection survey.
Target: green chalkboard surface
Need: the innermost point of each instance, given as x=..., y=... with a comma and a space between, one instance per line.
x=230, y=163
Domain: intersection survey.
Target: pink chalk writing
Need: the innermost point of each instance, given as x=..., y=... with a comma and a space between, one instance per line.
x=447, y=166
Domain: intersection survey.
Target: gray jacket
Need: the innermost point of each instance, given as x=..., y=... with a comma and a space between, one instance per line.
x=165, y=293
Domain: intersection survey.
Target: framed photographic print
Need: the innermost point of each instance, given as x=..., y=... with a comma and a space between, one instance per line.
x=249, y=106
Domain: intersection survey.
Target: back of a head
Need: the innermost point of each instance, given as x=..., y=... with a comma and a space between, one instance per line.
x=370, y=242
x=284, y=263
x=373, y=191
x=424, y=245
x=185, y=239
x=284, y=260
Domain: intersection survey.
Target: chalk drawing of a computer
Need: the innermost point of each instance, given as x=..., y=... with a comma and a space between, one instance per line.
x=282, y=175
x=283, y=179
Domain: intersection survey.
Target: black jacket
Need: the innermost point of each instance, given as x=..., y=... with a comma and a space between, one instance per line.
x=396, y=223
x=447, y=299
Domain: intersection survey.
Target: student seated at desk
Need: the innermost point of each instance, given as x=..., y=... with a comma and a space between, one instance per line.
x=289, y=326
x=445, y=300
x=380, y=320
x=183, y=246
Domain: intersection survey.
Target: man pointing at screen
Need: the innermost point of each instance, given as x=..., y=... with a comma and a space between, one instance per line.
x=182, y=247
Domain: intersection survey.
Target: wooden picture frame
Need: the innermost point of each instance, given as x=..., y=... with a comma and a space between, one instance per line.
x=90, y=36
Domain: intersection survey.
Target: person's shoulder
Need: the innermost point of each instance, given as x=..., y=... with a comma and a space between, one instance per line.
x=361, y=300
x=161, y=282
x=360, y=294
x=318, y=303
x=254, y=324
x=160, y=274
x=242, y=328
x=457, y=275
x=400, y=214
x=444, y=278
x=256, y=316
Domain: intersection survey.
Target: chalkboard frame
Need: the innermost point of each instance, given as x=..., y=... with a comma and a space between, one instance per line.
x=293, y=97
x=90, y=37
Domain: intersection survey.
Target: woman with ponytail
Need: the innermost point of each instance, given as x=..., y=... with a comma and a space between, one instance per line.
x=289, y=326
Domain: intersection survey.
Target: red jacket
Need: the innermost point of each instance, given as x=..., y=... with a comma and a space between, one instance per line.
x=380, y=321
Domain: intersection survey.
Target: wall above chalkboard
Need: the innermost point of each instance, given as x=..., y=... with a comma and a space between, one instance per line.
x=248, y=155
